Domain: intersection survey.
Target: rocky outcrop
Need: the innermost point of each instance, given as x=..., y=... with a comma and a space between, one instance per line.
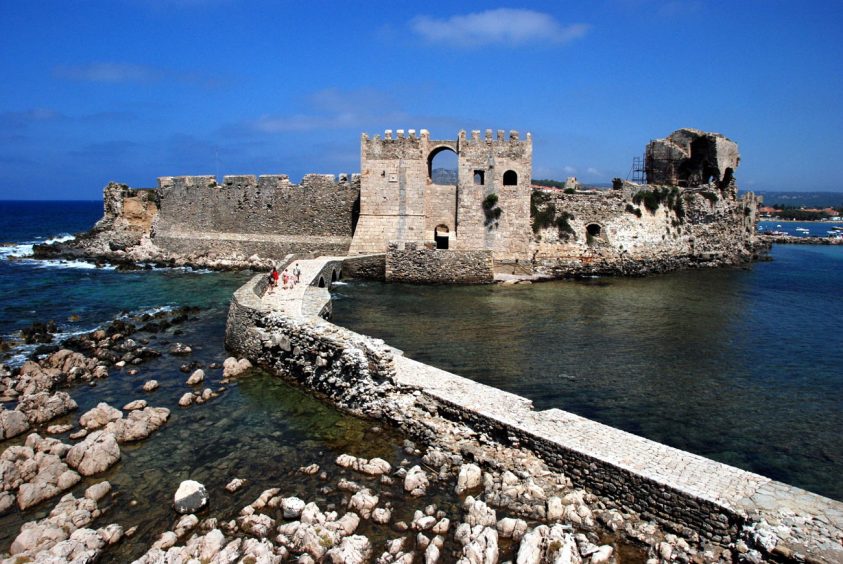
x=34, y=472
x=12, y=423
x=43, y=406
x=60, y=536
x=98, y=452
x=139, y=424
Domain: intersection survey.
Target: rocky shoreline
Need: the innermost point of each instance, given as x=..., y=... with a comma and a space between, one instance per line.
x=384, y=511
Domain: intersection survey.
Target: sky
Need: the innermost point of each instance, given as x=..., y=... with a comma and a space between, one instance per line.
x=129, y=90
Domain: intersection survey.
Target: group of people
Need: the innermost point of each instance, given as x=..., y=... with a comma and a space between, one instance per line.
x=288, y=279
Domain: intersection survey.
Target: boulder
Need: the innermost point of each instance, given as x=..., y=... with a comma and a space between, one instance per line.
x=42, y=406
x=469, y=478
x=197, y=377
x=416, y=482
x=99, y=417
x=139, y=424
x=232, y=367
x=234, y=485
x=180, y=349
x=354, y=549
x=12, y=423
x=363, y=502
x=292, y=507
x=98, y=452
x=190, y=497
x=150, y=385
x=136, y=404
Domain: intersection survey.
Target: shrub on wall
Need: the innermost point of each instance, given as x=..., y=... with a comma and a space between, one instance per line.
x=491, y=211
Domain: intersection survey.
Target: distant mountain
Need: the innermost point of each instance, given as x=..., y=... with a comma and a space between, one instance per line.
x=444, y=176
x=799, y=199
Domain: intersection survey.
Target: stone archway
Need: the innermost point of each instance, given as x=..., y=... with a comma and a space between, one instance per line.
x=443, y=166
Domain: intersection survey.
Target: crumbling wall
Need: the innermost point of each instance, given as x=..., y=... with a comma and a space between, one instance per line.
x=641, y=229
x=267, y=215
x=691, y=158
x=423, y=263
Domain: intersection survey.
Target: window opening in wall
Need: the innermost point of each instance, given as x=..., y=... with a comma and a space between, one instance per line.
x=510, y=178
x=592, y=232
x=321, y=282
x=479, y=177
x=442, y=166
x=440, y=235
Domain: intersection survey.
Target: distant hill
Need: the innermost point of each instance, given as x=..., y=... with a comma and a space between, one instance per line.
x=799, y=199
x=443, y=176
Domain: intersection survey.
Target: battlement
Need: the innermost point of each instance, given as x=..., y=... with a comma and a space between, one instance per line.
x=401, y=136
x=264, y=181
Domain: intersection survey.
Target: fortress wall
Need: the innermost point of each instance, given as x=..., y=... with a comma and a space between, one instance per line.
x=266, y=215
x=705, y=225
x=422, y=263
x=687, y=493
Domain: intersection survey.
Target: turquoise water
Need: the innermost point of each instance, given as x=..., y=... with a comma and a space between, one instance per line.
x=744, y=366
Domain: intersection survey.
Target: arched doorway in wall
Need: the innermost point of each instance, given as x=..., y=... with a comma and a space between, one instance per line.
x=510, y=178
x=442, y=166
x=440, y=235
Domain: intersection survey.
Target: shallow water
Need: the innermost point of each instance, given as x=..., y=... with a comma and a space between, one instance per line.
x=744, y=366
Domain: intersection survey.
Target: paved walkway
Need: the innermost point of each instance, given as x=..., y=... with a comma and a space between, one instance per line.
x=699, y=477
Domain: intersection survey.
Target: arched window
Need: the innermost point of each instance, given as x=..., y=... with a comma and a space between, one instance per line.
x=321, y=282
x=510, y=178
x=442, y=166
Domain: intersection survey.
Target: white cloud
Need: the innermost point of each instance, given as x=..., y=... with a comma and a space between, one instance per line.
x=108, y=72
x=569, y=169
x=503, y=25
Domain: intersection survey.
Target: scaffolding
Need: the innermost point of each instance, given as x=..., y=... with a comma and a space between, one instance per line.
x=637, y=173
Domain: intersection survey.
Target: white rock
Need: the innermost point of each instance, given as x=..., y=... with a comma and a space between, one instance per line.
x=150, y=385
x=470, y=477
x=190, y=497
x=186, y=399
x=292, y=507
x=234, y=485
x=136, y=404
x=197, y=377
x=99, y=417
x=416, y=482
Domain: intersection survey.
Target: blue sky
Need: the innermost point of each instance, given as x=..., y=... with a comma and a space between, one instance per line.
x=129, y=90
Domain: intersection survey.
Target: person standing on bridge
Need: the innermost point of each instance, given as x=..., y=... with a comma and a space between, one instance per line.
x=273, y=279
x=297, y=273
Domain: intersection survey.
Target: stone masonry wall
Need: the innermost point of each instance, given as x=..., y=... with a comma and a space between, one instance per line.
x=422, y=263
x=400, y=202
x=684, y=492
x=265, y=215
x=614, y=232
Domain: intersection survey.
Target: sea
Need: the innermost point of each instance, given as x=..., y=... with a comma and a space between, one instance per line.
x=743, y=365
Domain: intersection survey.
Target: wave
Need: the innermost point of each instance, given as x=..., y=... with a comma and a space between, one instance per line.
x=23, y=249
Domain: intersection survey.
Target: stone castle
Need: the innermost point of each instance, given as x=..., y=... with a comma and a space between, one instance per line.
x=490, y=220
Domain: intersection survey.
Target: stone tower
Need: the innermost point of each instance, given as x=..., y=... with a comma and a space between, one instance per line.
x=487, y=208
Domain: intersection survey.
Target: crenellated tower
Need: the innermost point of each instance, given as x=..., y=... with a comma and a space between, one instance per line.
x=487, y=208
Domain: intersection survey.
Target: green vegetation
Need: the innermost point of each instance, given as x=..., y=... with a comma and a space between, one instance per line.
x=570, y=191
x=652, y=199
x=550, y=183
x=544, y=215
x=710, y=196
x=491, y=211
x=633, y=210
x=798, y=214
